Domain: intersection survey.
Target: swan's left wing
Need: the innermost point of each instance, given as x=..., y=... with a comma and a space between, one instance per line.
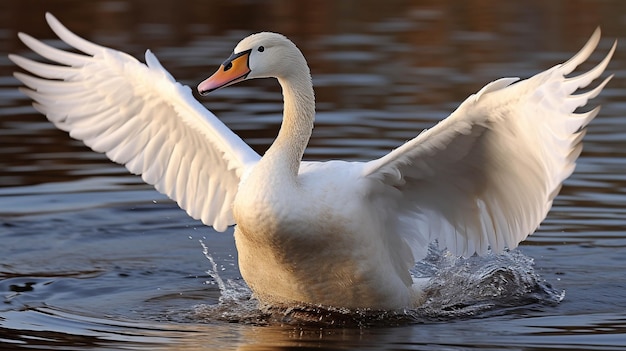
x=486, y=175
x=142, y=118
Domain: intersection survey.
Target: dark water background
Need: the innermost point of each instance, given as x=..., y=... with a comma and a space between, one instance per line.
x=91, y=258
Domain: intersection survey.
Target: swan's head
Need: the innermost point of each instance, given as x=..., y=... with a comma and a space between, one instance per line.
x=260, y=55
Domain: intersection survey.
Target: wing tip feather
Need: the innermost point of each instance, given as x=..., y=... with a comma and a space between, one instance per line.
x=583, y=54
x=70, y=37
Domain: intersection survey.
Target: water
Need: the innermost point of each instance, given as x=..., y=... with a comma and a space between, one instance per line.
x=91, y=258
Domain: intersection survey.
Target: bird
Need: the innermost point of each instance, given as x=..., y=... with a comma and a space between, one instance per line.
x=341, y=234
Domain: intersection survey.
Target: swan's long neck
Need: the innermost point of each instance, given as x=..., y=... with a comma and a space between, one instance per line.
x=298, y=117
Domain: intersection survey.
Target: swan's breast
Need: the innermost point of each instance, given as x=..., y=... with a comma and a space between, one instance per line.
x=315, y=240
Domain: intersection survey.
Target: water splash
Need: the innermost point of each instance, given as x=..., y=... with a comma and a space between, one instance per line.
x=494, y=284
x=235, y=303
x=458, y=288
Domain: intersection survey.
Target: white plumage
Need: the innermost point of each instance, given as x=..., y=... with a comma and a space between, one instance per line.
x=336, y=233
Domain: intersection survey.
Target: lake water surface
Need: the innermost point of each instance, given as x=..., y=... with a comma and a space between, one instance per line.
x=93, y=259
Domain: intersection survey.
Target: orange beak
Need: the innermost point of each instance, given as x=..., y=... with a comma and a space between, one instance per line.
x=233, y=70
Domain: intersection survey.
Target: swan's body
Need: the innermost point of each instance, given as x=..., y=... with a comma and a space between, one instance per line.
x=341, y=234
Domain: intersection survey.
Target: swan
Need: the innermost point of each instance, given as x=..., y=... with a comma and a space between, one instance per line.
x=340, y=234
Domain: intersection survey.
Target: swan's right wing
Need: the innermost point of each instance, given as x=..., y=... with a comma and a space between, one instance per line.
x=142, y=118
x=486, y=175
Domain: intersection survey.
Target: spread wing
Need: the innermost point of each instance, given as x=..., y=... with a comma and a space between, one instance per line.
x=142, y=118
x=486, y=175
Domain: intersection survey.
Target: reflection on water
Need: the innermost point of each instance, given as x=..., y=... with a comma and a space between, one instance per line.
x=90, y=257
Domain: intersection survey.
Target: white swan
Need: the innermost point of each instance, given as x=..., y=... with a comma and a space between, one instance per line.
x=341, y=234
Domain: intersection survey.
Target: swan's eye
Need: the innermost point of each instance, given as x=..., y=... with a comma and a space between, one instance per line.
x=261, y=49
x=228, y=66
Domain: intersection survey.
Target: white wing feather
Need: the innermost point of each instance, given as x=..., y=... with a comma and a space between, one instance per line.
x=486, y=175
x=142, y=118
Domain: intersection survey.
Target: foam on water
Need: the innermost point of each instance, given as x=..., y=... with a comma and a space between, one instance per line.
x=457, y=288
